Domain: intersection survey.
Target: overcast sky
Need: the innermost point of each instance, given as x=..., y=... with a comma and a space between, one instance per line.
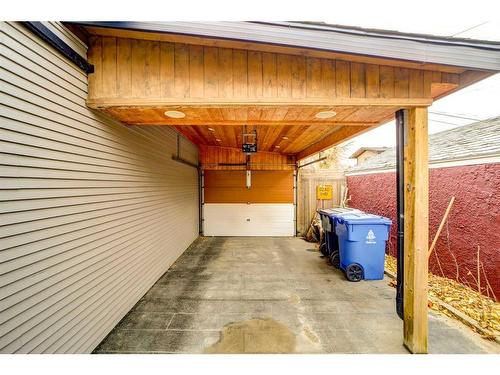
x=478, y=102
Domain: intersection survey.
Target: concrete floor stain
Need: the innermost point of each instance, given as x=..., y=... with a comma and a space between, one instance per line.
x=254, y=336
x=295, y=299
x=311, y=336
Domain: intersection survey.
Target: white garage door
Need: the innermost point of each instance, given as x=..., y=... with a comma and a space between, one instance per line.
x=259, y=219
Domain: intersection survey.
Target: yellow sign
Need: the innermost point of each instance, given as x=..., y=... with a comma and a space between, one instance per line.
x=324, y=192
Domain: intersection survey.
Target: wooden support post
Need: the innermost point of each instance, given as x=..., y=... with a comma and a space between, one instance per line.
x=416, y=213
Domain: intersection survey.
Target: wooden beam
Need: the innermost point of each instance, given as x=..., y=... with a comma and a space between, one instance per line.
x=217, y=157
x=102, y=103
x=254, y=46
x=441, y=89
x=343, y=134
x=467, y=78
x=196, y=122
x=416, y=214
x=472, y=76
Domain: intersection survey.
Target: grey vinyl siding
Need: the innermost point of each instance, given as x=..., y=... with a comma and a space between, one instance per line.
x=92, y=212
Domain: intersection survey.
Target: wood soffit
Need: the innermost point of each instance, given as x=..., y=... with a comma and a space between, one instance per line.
x=221, y=87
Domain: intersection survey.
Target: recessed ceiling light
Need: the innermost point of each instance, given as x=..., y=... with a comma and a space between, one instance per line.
x=175, y=114
x=211, y=129
x=325, y=114
x=285, y=137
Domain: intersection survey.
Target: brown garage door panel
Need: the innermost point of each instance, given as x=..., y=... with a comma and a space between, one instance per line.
x=267, y=187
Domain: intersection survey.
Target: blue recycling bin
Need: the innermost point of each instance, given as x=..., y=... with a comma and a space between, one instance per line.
x=362, y=239
x=328, y=221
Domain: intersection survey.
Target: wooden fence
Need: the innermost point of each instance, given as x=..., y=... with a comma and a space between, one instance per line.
x=307, y=204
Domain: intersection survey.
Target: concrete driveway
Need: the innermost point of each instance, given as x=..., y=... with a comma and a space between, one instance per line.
x=271, y=295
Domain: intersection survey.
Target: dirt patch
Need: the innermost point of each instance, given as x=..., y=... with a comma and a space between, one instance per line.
x=479, y=307
x=254, y=336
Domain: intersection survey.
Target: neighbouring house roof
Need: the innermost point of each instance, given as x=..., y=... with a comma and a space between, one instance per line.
x=478, y=140
x=360, y=150
x=422, y=48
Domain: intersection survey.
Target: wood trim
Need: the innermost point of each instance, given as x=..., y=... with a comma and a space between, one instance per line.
x=440, y=89
x=262, y=47
x=343, y=134
x=216, y=102
x=416, y=228
x=253, y=122
x=447, y=87
x=472, y=76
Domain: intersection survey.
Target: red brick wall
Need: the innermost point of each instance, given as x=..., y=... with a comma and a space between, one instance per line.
x=474, y=220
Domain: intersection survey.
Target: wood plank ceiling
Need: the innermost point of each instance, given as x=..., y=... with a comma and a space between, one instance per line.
x=279, y=128
x=221, y=90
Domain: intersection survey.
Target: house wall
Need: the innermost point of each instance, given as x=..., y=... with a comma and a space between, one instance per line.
x=92, y=212
x=474, y=220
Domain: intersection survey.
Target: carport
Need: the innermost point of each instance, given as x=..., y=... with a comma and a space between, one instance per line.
x=291, y=90
x=302, y=88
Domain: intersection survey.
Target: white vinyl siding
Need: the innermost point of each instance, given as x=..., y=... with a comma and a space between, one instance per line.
x=256, y=219
x=92, y=212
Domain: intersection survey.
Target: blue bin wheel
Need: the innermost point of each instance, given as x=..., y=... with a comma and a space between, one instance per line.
x=335, y=259
x=354, y=272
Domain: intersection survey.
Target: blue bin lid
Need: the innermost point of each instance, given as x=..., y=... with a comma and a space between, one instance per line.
x=363, y=218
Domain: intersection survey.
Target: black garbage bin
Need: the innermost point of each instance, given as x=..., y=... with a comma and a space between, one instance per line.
x=328, y=217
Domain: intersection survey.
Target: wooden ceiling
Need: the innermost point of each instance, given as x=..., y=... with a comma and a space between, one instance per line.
x=252, y=115
x=225, y=88
x=285, y=139
x=284, y=129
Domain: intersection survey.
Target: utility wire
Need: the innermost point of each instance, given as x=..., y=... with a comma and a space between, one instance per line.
x=470, y=28
x=455, y=116
x=445, y=122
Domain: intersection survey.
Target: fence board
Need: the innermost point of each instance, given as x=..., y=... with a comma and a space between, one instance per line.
x=307, y=203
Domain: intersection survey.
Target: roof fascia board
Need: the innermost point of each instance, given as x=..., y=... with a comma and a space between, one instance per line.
x=476, y=56
x=425, y=38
